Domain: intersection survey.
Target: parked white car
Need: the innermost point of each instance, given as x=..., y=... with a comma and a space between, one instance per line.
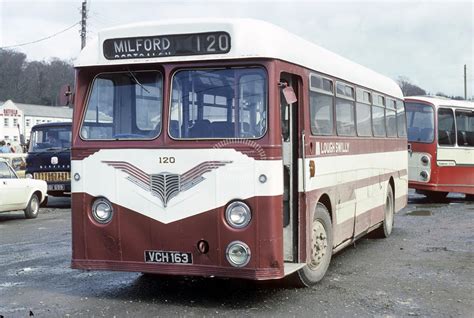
x=20, y=194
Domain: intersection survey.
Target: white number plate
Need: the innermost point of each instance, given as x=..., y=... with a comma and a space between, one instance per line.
x=54, y=187
x=168, y=257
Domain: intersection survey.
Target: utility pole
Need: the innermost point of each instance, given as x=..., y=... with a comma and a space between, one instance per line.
x=83, y=23
x=465, y=82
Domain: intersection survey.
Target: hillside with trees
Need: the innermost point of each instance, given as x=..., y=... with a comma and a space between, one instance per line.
x=33, y=82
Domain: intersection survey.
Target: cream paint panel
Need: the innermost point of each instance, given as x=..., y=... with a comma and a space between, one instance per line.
x=331, y=171
x=235, y=180
x=415, y=166
x=345, y=211
x=461, y=156
x=351, y=168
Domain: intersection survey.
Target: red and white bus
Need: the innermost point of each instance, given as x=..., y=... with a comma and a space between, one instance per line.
x=441, y=146
x=229, y=148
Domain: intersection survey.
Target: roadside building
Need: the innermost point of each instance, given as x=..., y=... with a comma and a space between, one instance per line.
x=18, y=118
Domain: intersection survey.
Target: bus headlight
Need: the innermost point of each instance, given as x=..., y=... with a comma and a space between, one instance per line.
x=238, y=254
x=424, y=175
x=425, y=160
x=29, y=176
x=238, y=215
x=102, y=210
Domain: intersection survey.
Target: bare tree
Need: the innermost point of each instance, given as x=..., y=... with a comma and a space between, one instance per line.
x=408, y=88
x=36, y=82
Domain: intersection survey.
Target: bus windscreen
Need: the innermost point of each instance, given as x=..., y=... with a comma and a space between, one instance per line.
x=124, y=105
x=420, y=121
x=218, y=103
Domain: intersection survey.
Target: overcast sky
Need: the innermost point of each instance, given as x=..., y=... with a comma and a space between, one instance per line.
x=427, y=41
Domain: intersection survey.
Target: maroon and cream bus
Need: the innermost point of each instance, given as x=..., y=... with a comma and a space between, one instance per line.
x=441, y=146
x=229, y=148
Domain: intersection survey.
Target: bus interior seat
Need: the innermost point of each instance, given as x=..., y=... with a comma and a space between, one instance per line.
x=174, y=128
x=201, y=128
x=444, y=137
x=466, y=138
x=414, y=133
x=246, y=127
x=222, y=129
x=470, y=138
x=426, y=134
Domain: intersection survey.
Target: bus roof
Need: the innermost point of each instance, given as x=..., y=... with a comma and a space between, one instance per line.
x=249, y=39
x=440, y=101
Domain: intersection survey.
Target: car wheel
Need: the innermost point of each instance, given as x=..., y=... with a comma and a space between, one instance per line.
x=385, y=229
x=321, y=247
x=32, y=209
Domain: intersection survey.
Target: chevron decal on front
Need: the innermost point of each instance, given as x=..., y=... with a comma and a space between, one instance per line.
x=165, y=185
x=195, y=181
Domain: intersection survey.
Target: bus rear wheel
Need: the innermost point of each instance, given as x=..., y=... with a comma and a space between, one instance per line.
x=321, y=247
x=385, y=229
x=435, y=196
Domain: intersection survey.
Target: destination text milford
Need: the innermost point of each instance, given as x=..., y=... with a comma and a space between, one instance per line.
x=155, y=46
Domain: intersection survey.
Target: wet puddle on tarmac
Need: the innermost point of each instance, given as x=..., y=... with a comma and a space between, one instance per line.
x=420, y=213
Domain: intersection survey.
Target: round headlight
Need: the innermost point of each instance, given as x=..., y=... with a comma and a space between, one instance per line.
x=29, y=176
x=238, y=214
x=102, y=210
x=424, y=175
x=425, y=160
x=238, y=254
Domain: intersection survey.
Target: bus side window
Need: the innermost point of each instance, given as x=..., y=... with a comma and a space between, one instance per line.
x=321, y=108
x=465, y=127
x=446, y=133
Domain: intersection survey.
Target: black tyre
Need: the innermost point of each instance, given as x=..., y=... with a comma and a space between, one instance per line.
x=385, y=229
x=435, y=196
x=31, y=211
x=44, y=203
x=469, y=197
x=321, y=247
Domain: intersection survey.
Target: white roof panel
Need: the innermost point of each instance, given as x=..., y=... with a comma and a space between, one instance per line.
x=249, y=39
x=439, y=101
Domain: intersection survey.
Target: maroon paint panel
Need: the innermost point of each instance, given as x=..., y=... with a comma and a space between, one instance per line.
x=345, y=146
x=447, y=179
x=120, y=245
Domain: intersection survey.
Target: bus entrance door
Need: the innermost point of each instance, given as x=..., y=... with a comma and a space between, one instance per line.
x=289, y=133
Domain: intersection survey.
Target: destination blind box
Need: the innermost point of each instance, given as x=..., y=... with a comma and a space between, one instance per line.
x=167, y=45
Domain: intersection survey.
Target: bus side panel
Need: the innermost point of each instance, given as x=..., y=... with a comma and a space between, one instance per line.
x=458, y=178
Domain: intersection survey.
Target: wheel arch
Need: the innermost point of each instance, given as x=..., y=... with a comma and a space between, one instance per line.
x=38, y=194
x=391, y=182
x=326, y=200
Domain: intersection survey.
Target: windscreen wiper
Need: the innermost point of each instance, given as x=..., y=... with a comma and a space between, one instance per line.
x=138, y=82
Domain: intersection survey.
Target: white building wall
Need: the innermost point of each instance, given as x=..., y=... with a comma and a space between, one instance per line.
x=11, y=116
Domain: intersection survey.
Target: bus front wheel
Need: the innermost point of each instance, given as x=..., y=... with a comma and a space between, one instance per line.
x=321, y=247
